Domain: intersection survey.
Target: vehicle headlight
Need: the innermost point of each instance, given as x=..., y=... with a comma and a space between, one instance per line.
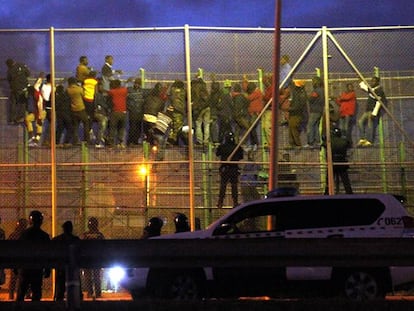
x=116, y=274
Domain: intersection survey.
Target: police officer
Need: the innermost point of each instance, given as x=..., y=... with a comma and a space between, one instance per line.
x=32, y=278
x=229, y=172
x=153, y=228
x=68, y=237
x=339, y=146
x=181, y=223
x=93, y=276
x=21, y=225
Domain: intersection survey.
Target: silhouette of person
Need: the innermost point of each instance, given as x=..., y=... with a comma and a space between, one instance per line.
x=181, y=223
x=249, y=179
x=339, y=146
x=153, y=228
x=60, y=279
x=2, y=274
x=228, y=172
x=93, y=276
x=32, y=278
x=21, y=225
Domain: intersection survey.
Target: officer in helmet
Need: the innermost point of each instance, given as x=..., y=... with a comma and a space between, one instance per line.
x=21, y=225
x=32, y=278
x=153, y=228
x=60, y=278
x=181, y=223
x=229, y=172
x=339, y=146
x=93, y=276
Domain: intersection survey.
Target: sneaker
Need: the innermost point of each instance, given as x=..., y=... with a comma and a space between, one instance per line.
x=307, y=146
x=367, y=143
x=33, y=142
x=99, y=146
x=92, y=136
x=361, y=142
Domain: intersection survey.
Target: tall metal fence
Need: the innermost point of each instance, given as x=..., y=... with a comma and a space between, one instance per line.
x=111, y=184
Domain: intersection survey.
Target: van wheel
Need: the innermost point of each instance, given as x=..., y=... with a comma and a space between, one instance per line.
x=180, y=285
x=361, y=285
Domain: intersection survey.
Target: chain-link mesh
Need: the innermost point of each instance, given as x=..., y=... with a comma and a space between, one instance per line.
x=124, y=188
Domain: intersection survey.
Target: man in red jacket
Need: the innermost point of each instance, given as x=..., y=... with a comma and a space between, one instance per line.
x=117, y=118
x=347, y=106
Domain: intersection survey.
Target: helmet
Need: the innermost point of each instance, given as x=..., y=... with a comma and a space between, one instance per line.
x=336, y=132
x=155, y=222
x=36, y=218
x=154, y=227
x=93, y=223
x=181, y=223
x=227, y=83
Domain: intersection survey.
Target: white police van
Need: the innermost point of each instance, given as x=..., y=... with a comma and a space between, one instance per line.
x=319, y=216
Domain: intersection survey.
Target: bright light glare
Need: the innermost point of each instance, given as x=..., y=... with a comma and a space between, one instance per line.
x=116, y=274
x=143, y=170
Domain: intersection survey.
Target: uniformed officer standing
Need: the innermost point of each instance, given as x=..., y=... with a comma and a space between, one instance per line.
x=229, y=172
x=93, y=276
x=339, y=146
x=32, y=278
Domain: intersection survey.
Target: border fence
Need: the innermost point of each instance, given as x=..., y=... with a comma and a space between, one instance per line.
x=123, y=188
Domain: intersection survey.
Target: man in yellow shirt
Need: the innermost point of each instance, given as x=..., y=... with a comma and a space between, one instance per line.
x=82, y=70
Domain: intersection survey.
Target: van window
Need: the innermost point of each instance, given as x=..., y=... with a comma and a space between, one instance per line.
x=253, y=218
x=322, y=213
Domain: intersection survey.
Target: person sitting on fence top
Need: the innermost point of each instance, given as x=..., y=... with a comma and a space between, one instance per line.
x=369, y=120
x=240, y=112
x=201, y=110
x=154, y=104
x=255, y=97
x=108, y=73
x=178, y=110
x=347, y=102
x=135, y=107
x=118, y=116
x=79, y=113
x=82, y=70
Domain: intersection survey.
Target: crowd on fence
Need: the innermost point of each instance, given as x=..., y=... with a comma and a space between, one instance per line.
x=101, y=110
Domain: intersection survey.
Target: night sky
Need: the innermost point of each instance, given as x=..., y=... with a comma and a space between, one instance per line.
x=222, y=13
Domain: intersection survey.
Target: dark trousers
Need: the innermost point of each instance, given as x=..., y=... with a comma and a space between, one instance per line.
x=30, y=279
x=93, y=282
x=134, y=130
x=17, y=106
x=230, y=175
x=117, y=123
x=340, y=172
x=64, y=126
x=78, y=117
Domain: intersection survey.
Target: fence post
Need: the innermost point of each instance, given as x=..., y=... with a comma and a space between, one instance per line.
x=84, y=181
x=403, y=175
x=142, y=73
